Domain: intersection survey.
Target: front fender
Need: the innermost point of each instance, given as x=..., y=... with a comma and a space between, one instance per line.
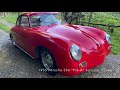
x=59, y=47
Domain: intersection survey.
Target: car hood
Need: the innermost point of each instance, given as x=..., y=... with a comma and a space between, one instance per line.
x=74, y=34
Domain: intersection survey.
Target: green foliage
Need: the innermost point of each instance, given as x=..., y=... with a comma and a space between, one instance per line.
x=104, y=18
x=4, y=27
x=12, y=17
x=115, y=37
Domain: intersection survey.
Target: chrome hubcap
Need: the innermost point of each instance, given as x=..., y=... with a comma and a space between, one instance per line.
x=47, y=60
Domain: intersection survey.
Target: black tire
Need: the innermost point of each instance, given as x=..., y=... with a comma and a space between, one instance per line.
x=53, y=70
x=13, y=42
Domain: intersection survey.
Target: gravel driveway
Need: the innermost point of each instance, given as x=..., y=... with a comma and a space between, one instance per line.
x=14, y=63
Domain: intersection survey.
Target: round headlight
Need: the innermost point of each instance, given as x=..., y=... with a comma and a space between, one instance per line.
x=108, y=39
x=76, y=53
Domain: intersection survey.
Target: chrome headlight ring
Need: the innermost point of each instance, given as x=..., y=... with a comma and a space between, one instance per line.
x=108, y=39
x=75, y=52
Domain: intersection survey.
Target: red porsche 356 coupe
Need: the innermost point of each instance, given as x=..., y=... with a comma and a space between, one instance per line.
x=60, y=47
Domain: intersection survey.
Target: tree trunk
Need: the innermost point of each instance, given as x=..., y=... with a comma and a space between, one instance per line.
x=90, y=17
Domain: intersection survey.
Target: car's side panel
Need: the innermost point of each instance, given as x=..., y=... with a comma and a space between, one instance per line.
x=16, y=34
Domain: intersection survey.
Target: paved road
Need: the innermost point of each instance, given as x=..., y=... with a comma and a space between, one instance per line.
x=14, y=63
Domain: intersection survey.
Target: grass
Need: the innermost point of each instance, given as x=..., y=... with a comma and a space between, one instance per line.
x=11, y=18
x=4, y=27
x=115, y=37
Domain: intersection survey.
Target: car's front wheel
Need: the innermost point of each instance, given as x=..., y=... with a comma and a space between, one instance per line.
x=48, y=62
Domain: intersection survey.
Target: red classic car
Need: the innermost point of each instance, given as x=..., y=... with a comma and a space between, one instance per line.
x=59, y=46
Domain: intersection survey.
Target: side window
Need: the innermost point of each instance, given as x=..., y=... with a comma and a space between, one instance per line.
x=35, y=21
x=24, y=21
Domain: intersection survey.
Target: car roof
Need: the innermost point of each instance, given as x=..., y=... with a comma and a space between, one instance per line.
x=35, y=13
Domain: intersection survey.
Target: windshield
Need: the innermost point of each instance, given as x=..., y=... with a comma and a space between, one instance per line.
x=46, y=19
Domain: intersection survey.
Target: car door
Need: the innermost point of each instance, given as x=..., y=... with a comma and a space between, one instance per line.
x=27, y=36
x=20, y=31
x=24, y=32
x=16, y=32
